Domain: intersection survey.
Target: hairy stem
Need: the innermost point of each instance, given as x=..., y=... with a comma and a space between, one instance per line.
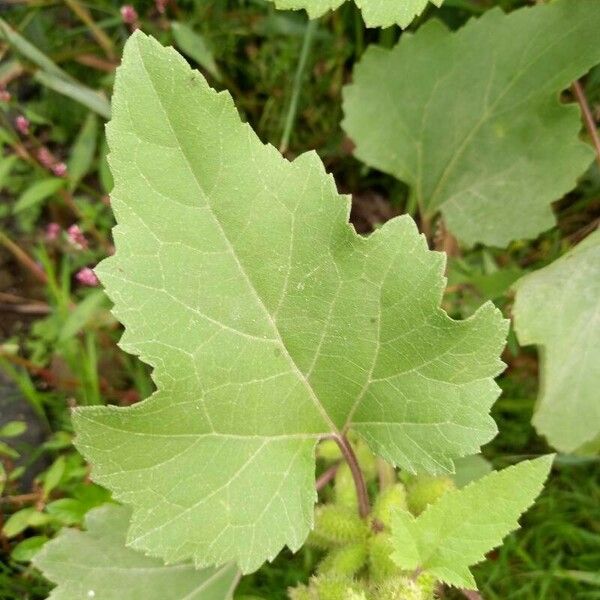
x=588, y=117
x=359, y=481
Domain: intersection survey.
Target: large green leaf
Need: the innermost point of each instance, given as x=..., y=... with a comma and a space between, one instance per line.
x=97, y=565
x=471, y=120
x=269, y=323
x=462, y=525
x=558, y=308
x=376, y=13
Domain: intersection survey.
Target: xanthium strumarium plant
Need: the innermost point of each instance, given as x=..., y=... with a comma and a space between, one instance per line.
x=272, y=327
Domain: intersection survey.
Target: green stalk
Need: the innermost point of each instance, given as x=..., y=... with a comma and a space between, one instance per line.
x=309, y=33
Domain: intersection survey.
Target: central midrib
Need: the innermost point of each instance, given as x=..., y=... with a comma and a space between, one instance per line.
x=269, y=317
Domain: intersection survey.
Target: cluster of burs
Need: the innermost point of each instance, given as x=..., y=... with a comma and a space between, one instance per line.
x=357, y=563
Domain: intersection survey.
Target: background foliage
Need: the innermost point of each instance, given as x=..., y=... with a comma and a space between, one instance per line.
x=58, y=339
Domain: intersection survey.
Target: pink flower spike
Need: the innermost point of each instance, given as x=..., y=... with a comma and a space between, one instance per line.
x=52, y=231
x=22, y=125
x=4, y=95
x=46, y=159
x=87, y=277
x=60, y=169
x=129, y=14
x=77, y=238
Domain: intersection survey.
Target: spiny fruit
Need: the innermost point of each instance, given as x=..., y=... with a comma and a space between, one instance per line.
x=404, y=588
x=346, y=561
x=425, y=489
x=337, y=526
x=381, y=566
x=390, y=499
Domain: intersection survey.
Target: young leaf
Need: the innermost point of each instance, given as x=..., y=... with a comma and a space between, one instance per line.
x=269, y=323
x=456, y=531
x=38, y=192
x=193, y=45
x=471, y=120
x=83, y=151
x=375, y=13
x=97, y=565
x=557, y=308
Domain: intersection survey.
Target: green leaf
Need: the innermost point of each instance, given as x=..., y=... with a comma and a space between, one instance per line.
x=7, y=164
x=97, y=564
x=83, y=151
x=92, y=99
x=471, y=120
x=13, y=429
x=456, y=531
x=24, y=551
x=29, y=51
x=53, y=76
x=557, y=308
x=375, y=13
x=82, y=314
x=470, y=468
x=52, y=477
x=38, y=192
x=193, y=45
x=269, y=323
x=22, y=519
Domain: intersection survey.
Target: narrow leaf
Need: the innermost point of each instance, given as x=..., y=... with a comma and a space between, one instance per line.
x=557, y=308
x=83, y=150
x=97, y=565
x=193, y=45
x=463, y=525
x=471, y=120
x=76, y=91
x=269, y=323
x=38, y=192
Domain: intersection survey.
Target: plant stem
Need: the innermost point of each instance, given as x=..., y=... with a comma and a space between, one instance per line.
x=23, y=258
x=588, y=117
x=309, y=33
x=326, y=477
x=359, y=481
x=103, y=40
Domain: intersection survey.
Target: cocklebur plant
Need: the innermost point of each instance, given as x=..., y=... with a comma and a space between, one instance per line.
x=273, y=327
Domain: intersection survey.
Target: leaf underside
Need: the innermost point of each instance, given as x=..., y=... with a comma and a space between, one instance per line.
x=463, y=525
x=376, y=13
x=269, y=323
x=97, y=565
x=471, y=120
x=558, y=308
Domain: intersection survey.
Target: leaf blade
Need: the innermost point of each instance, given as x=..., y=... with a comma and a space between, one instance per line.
x=470, y=119
x=263, y=321
x=462, y=525
x=556, y=308
x=97, y=564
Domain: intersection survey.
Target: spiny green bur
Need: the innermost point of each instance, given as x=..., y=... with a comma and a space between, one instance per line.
x=425, y=490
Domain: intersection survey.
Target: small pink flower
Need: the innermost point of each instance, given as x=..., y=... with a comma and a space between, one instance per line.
x=4, y=95
x=22, y=125
x=129, y=14
x=59, y=169
x=87, y=277
x=46, y=159
x=161, y=6
x=77, y=238
x=52, y=231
